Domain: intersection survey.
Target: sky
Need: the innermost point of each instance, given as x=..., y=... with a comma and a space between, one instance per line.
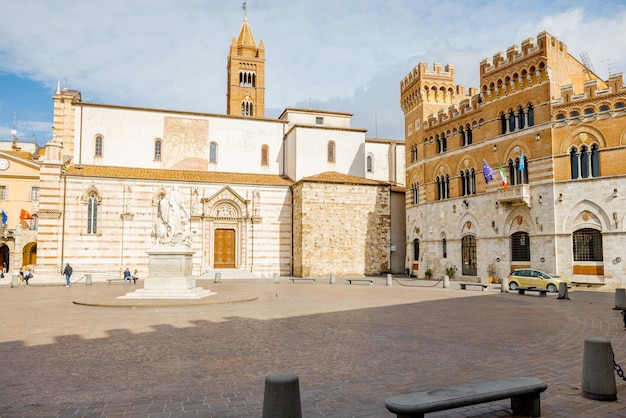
x=337, y=55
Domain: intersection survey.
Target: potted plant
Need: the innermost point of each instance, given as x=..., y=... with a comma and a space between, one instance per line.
x=491, y=272
x=451, y=270
x=428, y=273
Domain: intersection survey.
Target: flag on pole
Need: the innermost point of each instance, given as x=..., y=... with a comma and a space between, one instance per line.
x=505, y=182
x=487, y=172
x=521, y=165
x=24, y=215
x=5, y=218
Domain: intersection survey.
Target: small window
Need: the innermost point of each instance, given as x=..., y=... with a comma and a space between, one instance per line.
x=604, y=108
x=92, y=214
x=319, y=120
x=3, y=192
x=331, y=152
x=444, y=248
x=588, y=111
x=213, y=152
x=34, y=194
x=574, y=114
x=265, y=150
x=560, y=116
x=98, y=146
x=370, y=164
x=587, y=245
x=619, y=106
x=416, y=249
x=157, y=150
x=410, y=128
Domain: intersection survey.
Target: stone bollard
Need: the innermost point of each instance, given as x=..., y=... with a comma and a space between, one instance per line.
x=598, y=374
x=276, y=279
x=282, y=396
x=563, y=291
x=620, y=299
x=332, y=278
x=504, y=285
x=446, y=281
x=15, y=281
x=88, y=279
x=218, y=277
x=389, y=278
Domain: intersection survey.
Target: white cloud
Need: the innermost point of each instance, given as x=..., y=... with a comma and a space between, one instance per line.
x=347, y=56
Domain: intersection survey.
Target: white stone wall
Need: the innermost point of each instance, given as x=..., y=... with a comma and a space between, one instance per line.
x=126, y=217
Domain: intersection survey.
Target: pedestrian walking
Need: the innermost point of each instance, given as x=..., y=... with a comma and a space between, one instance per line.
x=68, y=273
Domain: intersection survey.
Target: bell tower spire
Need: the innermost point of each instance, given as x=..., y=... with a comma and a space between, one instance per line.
x=245, y=84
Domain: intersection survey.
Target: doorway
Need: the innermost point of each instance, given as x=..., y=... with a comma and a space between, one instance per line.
x=224, y=248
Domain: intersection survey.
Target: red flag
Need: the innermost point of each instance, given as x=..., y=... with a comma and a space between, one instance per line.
x=25, y=215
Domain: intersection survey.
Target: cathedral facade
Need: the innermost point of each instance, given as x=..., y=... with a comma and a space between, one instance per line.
x=302, y=194
x=525, y=171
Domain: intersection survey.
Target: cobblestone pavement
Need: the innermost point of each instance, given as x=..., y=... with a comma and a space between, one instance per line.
x=352, y=347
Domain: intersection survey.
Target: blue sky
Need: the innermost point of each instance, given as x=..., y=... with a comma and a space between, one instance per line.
x=337, y=55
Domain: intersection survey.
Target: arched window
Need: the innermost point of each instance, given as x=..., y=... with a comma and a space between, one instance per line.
x=584, y=162
x=157, y=149
x=502, y=124
x=573, y=162
x=213, y=152
x=444, y=248
x=330, y=152
x=511, y=121
x=463, y=183
x=92, y=214
x=443, y=187
x=531, y=115
x=520, y=246
x=416, y=249
x=444, y=143
x=520, y=118
x=595, y=161
x=370, y=163
x=587, y=245
x=468, y=133
x=415, y=192
x=247, y=108
x=98, y=146
x=438, y=142
x=265, y=150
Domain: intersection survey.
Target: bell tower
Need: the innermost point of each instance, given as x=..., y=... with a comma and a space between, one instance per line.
x=245, y=85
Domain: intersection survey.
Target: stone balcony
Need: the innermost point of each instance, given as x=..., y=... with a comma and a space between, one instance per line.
x=515, y=195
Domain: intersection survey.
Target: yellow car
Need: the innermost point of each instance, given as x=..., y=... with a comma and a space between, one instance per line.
x=536, y=278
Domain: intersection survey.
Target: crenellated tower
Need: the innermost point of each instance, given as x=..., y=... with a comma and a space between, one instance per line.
x=245, y=85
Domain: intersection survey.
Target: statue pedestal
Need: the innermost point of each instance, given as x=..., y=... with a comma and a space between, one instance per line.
x=169, y=276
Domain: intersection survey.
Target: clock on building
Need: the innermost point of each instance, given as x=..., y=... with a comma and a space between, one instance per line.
x=4, y=163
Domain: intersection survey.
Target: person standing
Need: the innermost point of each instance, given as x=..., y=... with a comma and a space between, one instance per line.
x=68, y=273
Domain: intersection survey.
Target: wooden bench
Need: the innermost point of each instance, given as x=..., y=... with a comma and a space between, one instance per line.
x=523, y=290
x=360, y=280
x=293, y=279
x=587, y=284
x=484, y=286
x=524, y=393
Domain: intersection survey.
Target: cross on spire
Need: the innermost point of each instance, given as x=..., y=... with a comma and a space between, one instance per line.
x=243, y=6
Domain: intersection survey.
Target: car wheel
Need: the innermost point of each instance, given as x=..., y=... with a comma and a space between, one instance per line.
x=513, y=286
x=551, y=288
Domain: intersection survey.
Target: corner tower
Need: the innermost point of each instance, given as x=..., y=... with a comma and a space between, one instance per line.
x=245, y=85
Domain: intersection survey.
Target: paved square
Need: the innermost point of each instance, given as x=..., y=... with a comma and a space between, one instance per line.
x=352, y=347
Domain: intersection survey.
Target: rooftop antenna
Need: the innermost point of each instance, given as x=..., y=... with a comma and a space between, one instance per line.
x=587, y=62
x=14, y=136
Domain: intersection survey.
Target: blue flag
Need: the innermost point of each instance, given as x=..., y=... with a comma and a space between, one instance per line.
x=5, y=218
x=487, y=172
x=521, y=165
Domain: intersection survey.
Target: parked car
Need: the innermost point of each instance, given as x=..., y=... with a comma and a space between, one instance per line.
x=536, y=278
